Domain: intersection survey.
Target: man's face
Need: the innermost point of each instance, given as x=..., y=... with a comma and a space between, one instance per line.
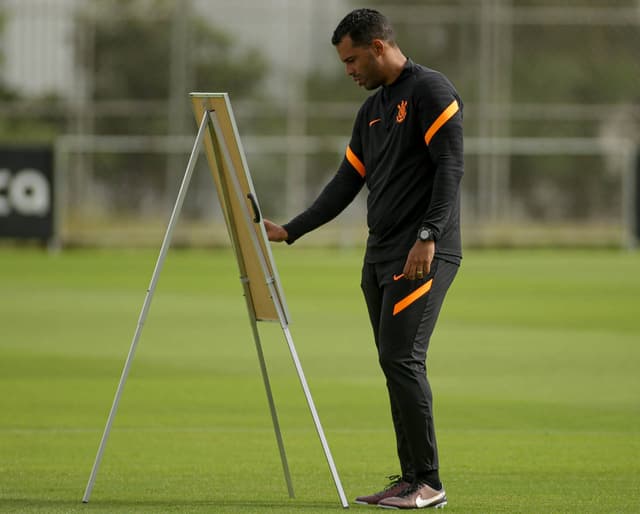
x=362, y=63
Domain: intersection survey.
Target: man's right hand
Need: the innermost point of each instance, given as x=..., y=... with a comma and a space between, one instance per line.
x=275, y=233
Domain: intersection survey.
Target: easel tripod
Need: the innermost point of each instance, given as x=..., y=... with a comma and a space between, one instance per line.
x=265, y=301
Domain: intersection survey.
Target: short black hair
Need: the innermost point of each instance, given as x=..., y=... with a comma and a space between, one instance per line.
x=363, y=26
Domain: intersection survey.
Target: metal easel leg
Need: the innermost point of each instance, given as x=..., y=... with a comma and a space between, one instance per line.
x=147, y=301
x=272, y=405
x=283, y=323
x=314, y=415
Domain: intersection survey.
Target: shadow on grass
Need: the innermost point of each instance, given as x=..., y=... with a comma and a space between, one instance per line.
x=24, y=505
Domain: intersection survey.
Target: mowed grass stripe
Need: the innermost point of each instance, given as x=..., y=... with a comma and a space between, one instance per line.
x=533, y=366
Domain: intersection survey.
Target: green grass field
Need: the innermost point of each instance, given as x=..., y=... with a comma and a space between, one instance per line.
x=534, y=366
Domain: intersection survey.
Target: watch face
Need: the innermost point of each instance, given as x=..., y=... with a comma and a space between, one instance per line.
x=425, y=234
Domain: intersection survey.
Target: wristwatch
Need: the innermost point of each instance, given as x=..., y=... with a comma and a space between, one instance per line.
x=425, y=234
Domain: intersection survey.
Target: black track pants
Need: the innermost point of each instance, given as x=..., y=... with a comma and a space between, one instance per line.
x=403, y=315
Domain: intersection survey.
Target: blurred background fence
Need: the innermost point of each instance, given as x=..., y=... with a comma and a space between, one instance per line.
x=551, y=92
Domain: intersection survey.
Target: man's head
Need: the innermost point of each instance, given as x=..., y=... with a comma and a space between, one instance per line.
x=365, y=43
x=363, y=26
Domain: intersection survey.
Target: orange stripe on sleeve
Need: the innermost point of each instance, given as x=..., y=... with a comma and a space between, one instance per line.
x=355, y=162
x=445, y=116
x=409, y=299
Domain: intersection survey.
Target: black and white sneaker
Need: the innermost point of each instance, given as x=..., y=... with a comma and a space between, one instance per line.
x=416, y=496
x=395, y=487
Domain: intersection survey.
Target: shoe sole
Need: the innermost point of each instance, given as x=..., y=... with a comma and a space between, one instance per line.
x=440, y=505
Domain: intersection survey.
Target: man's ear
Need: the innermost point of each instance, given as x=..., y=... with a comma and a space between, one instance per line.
x=378, y=46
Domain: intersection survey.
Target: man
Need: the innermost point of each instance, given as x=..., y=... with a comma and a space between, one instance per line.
x=406, y=146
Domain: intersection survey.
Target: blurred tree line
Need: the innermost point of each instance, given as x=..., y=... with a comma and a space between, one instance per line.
x=150, y=55
x=588, y=71
x=128, y=49
x=15, y=127
x=126, y=46
x=131, y=57
x=139, y=60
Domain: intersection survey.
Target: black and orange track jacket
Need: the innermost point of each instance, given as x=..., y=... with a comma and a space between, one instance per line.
x=406, y=146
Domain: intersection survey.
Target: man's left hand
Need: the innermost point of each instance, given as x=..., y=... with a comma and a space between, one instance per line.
x=418, y=262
